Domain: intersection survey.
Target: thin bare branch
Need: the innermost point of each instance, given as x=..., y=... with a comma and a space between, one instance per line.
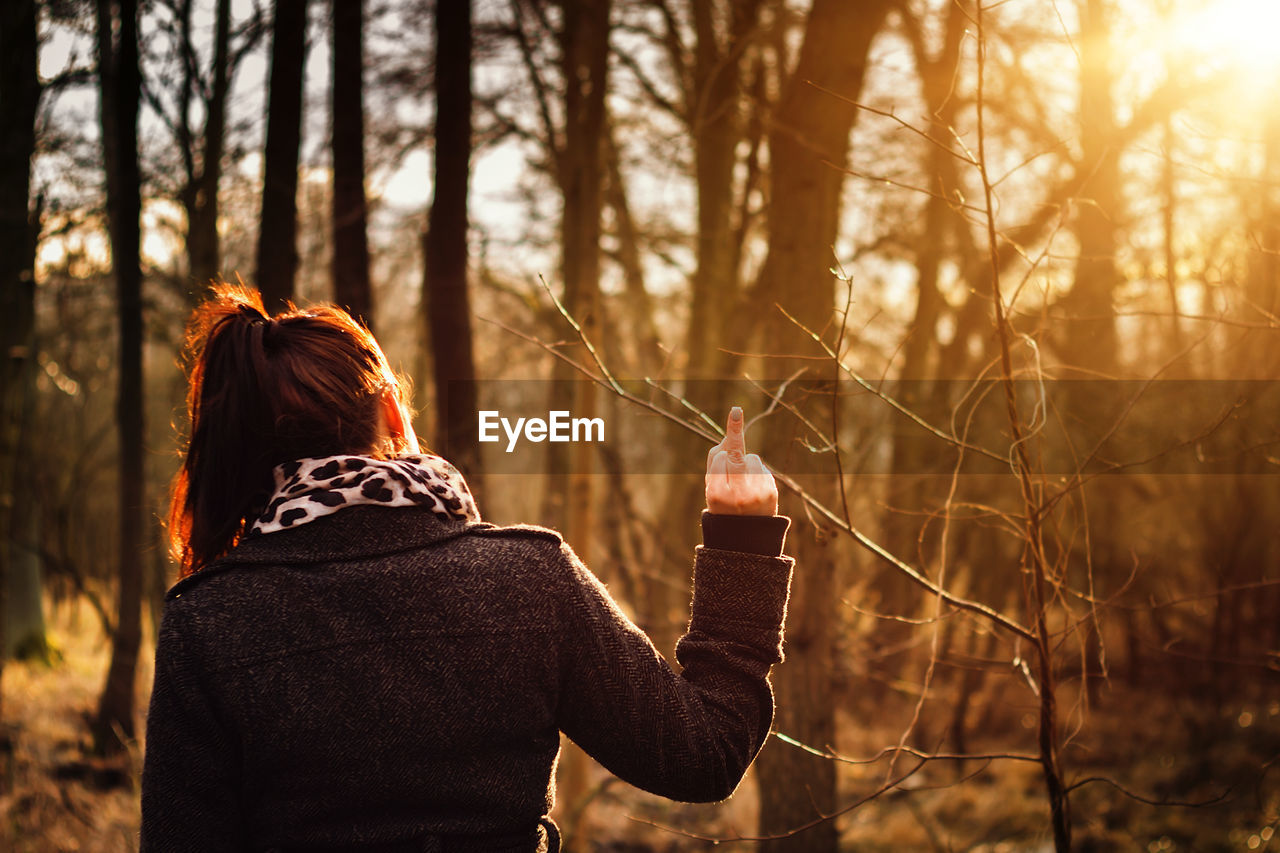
x=909, y=750
x=817, y=506
x=898, y=407
x=1089, y=780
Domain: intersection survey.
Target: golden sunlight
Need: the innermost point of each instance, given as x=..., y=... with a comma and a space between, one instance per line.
x=1239, y=33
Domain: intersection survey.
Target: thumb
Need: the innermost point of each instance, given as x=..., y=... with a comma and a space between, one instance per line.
x=734, y=442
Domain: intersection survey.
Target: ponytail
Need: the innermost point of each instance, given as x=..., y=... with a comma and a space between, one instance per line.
x=262, y=391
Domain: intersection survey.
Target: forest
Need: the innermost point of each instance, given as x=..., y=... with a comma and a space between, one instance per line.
x=996, y=282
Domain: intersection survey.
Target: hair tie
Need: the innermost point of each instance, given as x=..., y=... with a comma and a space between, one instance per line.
x=256, y=317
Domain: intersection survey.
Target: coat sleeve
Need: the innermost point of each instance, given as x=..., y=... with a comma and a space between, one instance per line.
x=688, y=736
x=190, y=774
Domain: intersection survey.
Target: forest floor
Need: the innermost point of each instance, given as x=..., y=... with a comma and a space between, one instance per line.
x=56, y=795
x=1186, y=747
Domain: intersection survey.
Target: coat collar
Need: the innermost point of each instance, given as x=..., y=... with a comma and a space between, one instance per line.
x=356, y=533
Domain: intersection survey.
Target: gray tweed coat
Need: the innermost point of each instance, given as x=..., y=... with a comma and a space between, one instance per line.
x=386, y=680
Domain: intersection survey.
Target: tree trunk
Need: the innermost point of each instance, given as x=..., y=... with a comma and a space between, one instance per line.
x=804, y=213
x=278, y=229
x=351, y=287
x=584, y=55
x=1092, y=335
x=204, y=250
x=24, y=637
x=649, y=357
x=445, y=294
x=913, y=451
x=19, y=98
x=716, y=126
x=1092, y=346
x=121, y=89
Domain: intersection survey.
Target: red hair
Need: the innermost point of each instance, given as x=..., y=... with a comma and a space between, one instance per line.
x=263, y=391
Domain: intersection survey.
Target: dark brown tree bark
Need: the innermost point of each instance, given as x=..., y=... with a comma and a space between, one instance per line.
x=121, y=86
x=810, y=127
x=278, y=231
x=19, y=99
x=351, y=286
x=568, y=503
x=445, y=293
x=584, y=53
x=716, y=126
x=713, y=113
x=204, y=250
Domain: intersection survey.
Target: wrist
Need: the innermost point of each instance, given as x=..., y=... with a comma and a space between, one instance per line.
x=748, y=534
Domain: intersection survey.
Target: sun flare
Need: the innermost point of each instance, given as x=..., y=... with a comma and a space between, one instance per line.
x=1240, y=33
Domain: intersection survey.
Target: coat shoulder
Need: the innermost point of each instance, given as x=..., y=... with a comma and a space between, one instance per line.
x=195, y=579
x=517, y=532
x=514, y=545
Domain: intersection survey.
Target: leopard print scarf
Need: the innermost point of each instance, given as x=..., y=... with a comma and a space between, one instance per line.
x=307, y=489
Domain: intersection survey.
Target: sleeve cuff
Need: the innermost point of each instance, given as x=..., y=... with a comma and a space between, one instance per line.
x=747, y=534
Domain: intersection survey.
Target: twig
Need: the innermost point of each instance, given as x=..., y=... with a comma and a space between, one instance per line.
x=1149, y=801
x=835, y=394
x=1059, y=801
x=823, y=818
x=827, y=443
x=908, y=750
x=814, y=504
x=912, y=416
x=564, y=312
x=906, y=125
x=912, y=574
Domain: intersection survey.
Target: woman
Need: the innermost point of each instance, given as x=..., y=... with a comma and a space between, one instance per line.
x=353, y=661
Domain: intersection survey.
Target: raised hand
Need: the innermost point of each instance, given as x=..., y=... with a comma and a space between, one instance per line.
x=737, y=481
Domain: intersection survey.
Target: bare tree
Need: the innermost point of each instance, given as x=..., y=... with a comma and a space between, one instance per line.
x=277, y=262
x=810, y=133
x=445, y=292
x=1092, y=344
x=351, y=286
x=121, y=86
x=940, y=225
x=190, y=98
x=19, y=98
x=203, y=243
x=716, y=124
x=717, y=70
